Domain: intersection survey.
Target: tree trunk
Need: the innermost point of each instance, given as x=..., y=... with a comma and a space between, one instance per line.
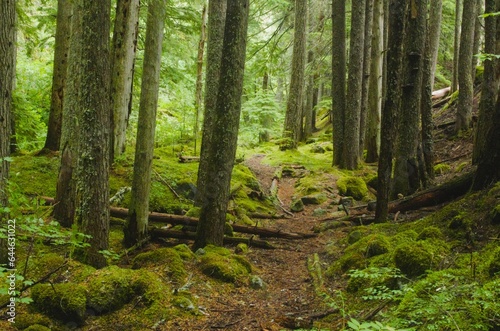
x=372, y=141
x=226, y=118
x=488, y=165
x=122, y=71
x=94, y=127
x=308, y=103
x=397, y=21
x=490, y=85
x=338, y=78
x=465, y=77
x=406, y=174
x=367, y=56
x=216, y=22
x=61, y=54
x=137, y=222
x=429, y=67
x=64, y=209
x=199, y=76
x=456, y=43
x=350, y=156
x=294, y=104
x=478, y=28
x=7, y=74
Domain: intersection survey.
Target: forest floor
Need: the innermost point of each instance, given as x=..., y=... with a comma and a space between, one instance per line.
x=290, y=299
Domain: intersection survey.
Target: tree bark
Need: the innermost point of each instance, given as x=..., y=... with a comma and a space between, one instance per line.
x=490, y=85
x=60, y=70
x=406, y=173
x=372, y=141
x=7, y=74
x=350, y=156
x=198, y=97
x=294, y=104
x=122, y=71
x=397, y=21
x=429, y=67
x=216, y=23
x=137, y=222
x=94, y=127
x=338, y=78
x=465, y=77
x=456, y=44
x=365, y=84
x=64, y=209
x=226, y=118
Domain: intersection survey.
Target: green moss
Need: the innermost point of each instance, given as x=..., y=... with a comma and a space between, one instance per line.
x=495, y=215
x=167, y=261
x=184, y=252
x=43, y=264
x=220, y=263
x=35, y=175
x=430, y=232
x=65, y=301
x=442, y=168
x=354, y=236
x=112, y=287
x=194, y=212
x=377, y=244
x=352, y=186
x=24, y=320
x=461, y=166
x=415, y=258
x=37, y=327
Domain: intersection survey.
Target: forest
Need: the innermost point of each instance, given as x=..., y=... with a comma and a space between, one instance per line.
x=250, y=165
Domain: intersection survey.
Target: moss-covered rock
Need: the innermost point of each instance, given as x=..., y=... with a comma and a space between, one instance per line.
x=65, y=302
x=220, y=263
x=354, y=236
x=377, y=244
x=352, y=186
x=112, y=287
x=166, y=261
x=430, y=232
x=297, y=206
x=314, y=199
x=184, y=252
x=25, y=320
x=415, y=258
x=37, y=327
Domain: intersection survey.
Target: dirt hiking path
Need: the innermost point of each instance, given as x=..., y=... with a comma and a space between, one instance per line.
x=288, y=299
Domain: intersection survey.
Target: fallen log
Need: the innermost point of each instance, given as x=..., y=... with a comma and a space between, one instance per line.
x=438, y=94
x=186, y=159
x=157, y=233
x=192, y=221
x=443, y=193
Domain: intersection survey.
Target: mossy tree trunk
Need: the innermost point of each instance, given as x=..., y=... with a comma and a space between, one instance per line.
x=226, y=117
x=489, y=87
x=122, y=71
x=294, y=105
x=429, y=67
x=60, y=70
x=137, y=222
x=456, y=43
x=406, y=172
x=350, y=155
x=215, y=38
x=94, y=130
x=488, y=165
x=372, y=139
x=367, y=57
x=64, y=209
x=465, y=76
x=338, y=77
x=7, y=73
x=198, y=95
x=397, y=22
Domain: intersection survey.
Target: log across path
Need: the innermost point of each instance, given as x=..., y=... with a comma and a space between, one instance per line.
x=193, y=221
